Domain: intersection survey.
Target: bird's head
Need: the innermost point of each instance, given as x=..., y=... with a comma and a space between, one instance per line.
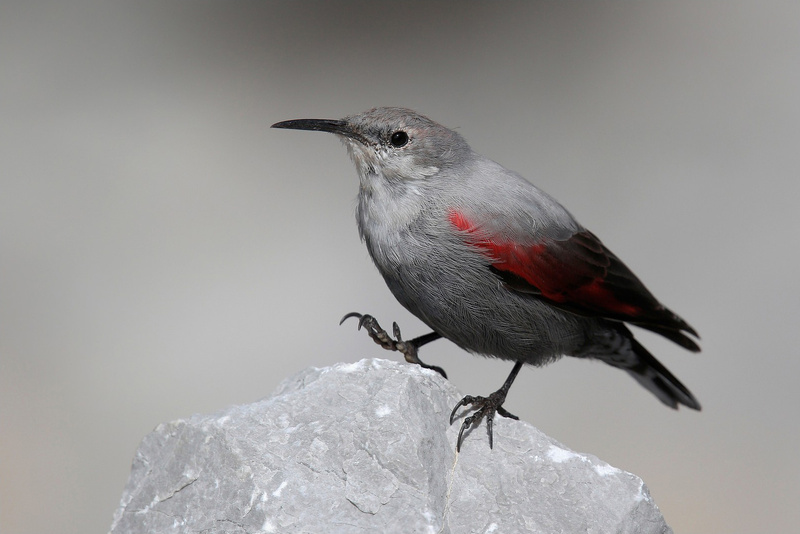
x=393, y=144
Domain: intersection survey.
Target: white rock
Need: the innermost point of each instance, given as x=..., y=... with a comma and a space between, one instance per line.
x=367, y=447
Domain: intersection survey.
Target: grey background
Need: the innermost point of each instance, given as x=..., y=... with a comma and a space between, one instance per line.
x=164, y=253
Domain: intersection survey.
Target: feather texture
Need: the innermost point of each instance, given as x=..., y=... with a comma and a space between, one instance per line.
x=578, y=274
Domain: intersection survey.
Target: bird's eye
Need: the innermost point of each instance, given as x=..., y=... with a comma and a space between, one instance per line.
x=399, y=139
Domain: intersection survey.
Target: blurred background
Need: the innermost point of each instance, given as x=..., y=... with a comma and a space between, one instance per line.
x=164, y=253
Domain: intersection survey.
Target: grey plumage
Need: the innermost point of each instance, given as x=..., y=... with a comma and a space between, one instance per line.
x=491, y=262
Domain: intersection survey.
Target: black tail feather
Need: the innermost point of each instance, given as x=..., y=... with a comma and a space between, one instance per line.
x=651, y=374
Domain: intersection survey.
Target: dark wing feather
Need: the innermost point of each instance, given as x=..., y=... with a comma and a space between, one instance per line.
x=579, y=274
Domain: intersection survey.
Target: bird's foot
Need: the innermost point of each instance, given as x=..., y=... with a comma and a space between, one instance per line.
x=407, y=348
x=485, y=407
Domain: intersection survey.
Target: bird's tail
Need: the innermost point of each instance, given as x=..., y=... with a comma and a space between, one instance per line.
x=652, y=374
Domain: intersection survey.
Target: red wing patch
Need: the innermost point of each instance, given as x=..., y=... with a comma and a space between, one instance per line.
x=578, y=273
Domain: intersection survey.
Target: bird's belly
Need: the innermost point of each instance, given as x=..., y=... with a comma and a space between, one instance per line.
x=473, y=309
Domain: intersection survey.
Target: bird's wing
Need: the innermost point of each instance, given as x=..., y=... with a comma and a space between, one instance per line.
x=576, y=273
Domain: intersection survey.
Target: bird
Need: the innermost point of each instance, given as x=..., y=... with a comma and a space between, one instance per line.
x=491, y=262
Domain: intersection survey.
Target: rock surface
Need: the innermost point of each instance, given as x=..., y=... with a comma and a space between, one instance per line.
x=366, y=447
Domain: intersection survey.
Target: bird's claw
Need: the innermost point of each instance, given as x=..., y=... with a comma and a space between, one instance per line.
x=370, y=324
x=380, y=336
x=486, y=407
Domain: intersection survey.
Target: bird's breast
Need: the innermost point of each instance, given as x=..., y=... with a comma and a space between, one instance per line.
x=386, y=214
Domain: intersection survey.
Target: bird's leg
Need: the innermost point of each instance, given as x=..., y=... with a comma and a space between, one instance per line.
x=407, y=348
x=486, y=407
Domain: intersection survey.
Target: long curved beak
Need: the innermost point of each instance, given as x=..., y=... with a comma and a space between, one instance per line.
x=319, y=125
x=336, y=126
